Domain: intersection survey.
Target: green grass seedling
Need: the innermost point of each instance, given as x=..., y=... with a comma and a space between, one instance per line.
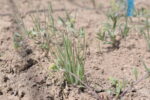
x=145, y=30
x=118, y=87
x=135, y=73
x=17, y=40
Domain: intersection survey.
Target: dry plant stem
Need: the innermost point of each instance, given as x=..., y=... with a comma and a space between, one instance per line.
x=88, y=87
x=135, y=83
x=100, y=48
x=93, y=3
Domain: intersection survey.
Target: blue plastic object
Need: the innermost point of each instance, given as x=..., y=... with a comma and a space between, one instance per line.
x=130, y=9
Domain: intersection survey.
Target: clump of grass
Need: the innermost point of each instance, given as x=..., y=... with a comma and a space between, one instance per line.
x=70, y=56
x=110, y=33
x=114, y=30
x=71, y=59
x=107, y=34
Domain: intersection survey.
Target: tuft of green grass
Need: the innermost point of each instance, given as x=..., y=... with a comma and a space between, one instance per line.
x=115, y=29
x=70, y=59
x=108, y=32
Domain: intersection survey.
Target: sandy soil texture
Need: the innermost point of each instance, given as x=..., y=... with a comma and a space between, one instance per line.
x=24, y=73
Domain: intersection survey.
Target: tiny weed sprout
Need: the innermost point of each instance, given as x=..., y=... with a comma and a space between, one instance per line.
x=145, y=30
x=124, y=27
x=17, y=40
x=147, y=69
x=118, y=87
x=135, y=73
